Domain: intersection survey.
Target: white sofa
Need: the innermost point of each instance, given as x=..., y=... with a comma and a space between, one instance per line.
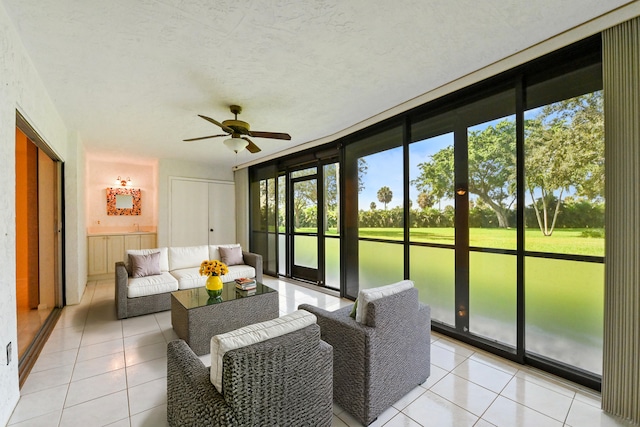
x=178, y=269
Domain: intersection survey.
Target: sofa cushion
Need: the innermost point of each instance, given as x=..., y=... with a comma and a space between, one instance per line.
x=214, y=250
x=151, y=285
x=189, y=277
x=164, y=257
x=231, y=256
x=367, y=295
x=252, y=334
x=187, y=256
x=238, y=271
x=145, y=265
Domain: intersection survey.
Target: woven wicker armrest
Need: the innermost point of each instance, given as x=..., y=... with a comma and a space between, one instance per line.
x=255, y=261
x=351, y=343
x=191, y=398
x=122, y=280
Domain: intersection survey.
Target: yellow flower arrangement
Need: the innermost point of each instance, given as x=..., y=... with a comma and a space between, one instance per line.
x=213, y=268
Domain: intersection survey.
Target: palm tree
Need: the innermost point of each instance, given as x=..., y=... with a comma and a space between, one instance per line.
x=385, y=195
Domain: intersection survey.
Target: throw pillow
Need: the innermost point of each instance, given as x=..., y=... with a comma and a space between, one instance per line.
x=231, y=256
x=164, y=257
x=252, y=334
x=367, y=295
x=145, y=265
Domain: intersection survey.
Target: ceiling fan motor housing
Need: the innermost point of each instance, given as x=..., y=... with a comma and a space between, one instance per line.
x=237, y=125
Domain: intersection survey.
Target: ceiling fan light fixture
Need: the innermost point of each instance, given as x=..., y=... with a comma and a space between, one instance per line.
x=236, y=144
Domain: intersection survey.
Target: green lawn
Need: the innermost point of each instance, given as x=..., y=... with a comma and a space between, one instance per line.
x=566, y=241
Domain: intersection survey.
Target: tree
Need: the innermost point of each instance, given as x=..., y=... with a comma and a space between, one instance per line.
x=305, y=194
x=373, y=206
x=362, y=171
x=436, y=175
x=491, y=169
x=385, y=195
x=425, y=200
x=564, y=149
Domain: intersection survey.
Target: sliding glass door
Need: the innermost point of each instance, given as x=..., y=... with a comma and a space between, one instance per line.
x=303, y=208
x=295, y=222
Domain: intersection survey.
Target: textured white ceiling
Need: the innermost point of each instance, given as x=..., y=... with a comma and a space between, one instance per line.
x=131, y=75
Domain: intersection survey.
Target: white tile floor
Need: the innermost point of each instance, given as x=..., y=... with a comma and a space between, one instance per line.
x=96, y=371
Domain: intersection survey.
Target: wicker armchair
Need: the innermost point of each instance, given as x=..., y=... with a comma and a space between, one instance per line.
x=377, y=362
x=283, y=381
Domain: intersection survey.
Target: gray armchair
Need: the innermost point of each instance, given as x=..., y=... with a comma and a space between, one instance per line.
x=283, y=381
x=377, y=362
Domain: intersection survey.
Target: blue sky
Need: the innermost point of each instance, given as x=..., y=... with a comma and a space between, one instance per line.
x=385, y=169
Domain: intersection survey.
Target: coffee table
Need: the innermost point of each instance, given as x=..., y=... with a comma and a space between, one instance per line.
x=196, y=318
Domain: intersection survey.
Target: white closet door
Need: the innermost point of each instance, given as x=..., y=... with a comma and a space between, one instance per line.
x=222, y=213
x=189, y=213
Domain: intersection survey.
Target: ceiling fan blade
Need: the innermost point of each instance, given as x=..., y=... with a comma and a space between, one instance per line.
x=252, y=148
x=217, y=123
x=204, y=137
x=272, y=135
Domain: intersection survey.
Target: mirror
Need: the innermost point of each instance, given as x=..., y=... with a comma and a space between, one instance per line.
x=124, y=201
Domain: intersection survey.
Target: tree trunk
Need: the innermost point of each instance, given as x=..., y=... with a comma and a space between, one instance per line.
x=503, y=220
x=535, y=208
x=543, y=223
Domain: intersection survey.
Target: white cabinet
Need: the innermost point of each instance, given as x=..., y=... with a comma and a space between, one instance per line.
x=148, y=241
x=202, y=212
x=105, y=250
x=139, y=241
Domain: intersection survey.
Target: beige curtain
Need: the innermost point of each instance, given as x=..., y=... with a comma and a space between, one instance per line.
x=621, y=73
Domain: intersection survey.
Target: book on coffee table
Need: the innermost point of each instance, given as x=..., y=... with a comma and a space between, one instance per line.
x=248, y=287
x=244, y=283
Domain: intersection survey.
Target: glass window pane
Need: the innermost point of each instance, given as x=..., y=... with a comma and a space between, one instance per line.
x=306, y=251
x=332, y=261
x=304, y=172
x=492, y=183
x=305, y=206
x=331, y=198
x=431, y=191
x=564, y=176
x=259, y=219
x=271, y=204
x=564, y=311
x=492, y=296
x=282, y=203
x=259, y=244
x=380, y=201
x=282, y=252
x=380, y=264
x=271, y=260
x=433, y=272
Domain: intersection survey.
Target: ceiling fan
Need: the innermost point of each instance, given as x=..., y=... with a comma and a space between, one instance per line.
x=239, y=132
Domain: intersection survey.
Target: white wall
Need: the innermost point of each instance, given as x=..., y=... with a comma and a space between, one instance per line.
x=75, y=230
x=184, y=169
x=21, y=89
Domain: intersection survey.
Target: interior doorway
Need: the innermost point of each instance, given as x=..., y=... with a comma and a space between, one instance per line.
x=38, y=209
